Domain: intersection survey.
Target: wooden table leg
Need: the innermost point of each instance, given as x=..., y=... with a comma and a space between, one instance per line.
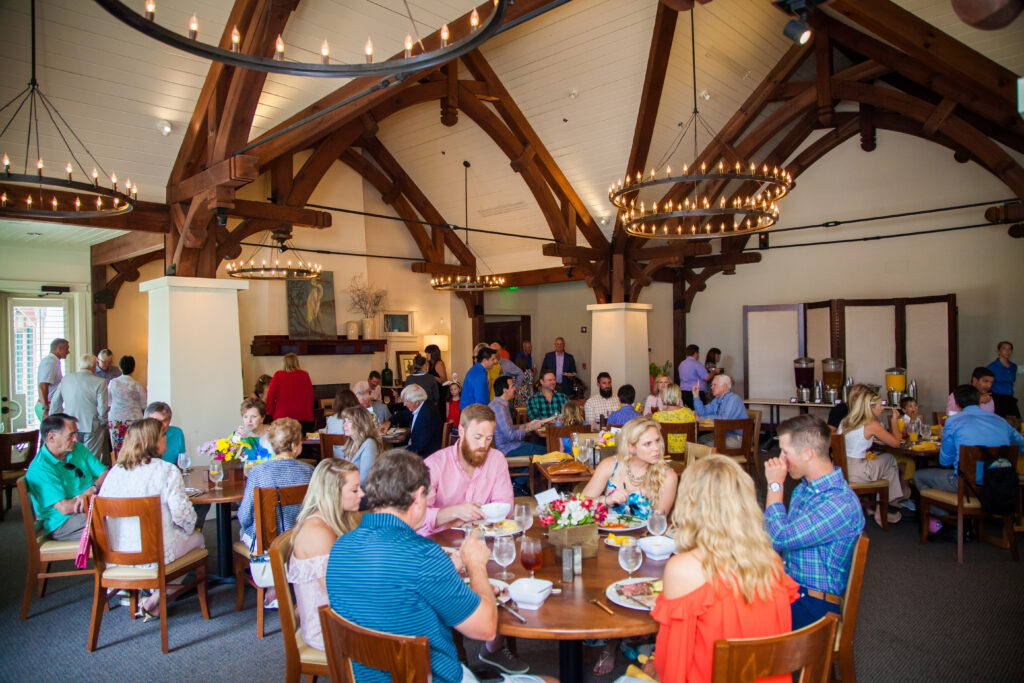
x=225, y=563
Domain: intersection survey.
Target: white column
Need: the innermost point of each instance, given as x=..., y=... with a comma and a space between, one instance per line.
x=619, y=345
x=195, y=357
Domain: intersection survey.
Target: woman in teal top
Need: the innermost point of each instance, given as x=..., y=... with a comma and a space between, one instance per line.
x=1005, y=372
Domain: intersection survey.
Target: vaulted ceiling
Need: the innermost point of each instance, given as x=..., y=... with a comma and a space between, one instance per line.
x=575, y=78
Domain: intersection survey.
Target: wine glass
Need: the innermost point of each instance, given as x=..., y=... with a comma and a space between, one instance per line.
x=530, y=556
x=575, y=445
x=656, y=523
x=523, y=517
x=630, y=556
x=184, y=461
x=505, y=554
x=216, y=473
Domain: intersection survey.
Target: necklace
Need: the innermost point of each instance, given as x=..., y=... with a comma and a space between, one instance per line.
x=633, y=479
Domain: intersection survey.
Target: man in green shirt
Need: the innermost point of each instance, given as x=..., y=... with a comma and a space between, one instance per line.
x=61, y=478
x=158, y=410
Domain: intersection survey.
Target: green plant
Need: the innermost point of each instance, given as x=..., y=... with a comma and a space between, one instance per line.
x=665, y=369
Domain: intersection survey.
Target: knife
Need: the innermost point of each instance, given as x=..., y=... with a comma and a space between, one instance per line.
x=511, y=611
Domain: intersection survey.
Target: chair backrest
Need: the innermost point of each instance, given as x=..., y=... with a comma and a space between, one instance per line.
x=406, y=658
x=970, y=456
x=150, y=529
x=285, y=603
x=555, y=434
x=851, y=599
x=688, y=429
x=387, y=396
x=695, y=451
x=446, y=434
x=33, y=530
x=25, y=442
x=265, y=502
x=808, y=650
x=328, y=442
x=755, y=443
x=837, y=448
x=937, y=417
x=746, y=429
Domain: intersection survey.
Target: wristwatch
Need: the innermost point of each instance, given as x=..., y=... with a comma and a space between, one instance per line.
x=775, y=487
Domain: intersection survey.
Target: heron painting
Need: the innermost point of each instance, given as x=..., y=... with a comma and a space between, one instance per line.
x=311, y=308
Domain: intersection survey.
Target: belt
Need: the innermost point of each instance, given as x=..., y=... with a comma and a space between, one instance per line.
x=827, y=597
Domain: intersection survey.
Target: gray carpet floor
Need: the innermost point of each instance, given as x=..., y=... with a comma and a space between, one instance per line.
x=922, y=618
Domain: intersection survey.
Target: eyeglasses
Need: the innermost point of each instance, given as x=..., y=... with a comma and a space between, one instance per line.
x=78, y=472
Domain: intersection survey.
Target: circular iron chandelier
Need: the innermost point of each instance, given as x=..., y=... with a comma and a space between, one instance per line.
x=703, y=216
x=478, y=34
x=467, y=283
x=270, y=266
x=38, y=195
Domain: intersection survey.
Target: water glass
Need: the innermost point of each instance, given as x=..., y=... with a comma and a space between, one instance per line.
x=504, y=555
x=630, y=556
x=184, y=462
x=216, y=473
x=656, y=523
x=523, y=516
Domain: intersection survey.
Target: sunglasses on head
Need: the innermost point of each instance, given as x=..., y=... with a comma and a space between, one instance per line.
x=78, y=472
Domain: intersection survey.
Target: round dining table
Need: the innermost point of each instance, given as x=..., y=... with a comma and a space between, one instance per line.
x=571, y=616
x=231, y=490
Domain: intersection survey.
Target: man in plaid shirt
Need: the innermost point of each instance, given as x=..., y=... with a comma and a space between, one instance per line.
x=818, y=534
x=548, y=401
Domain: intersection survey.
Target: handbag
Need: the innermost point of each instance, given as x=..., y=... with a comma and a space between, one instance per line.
x=82, y=558
x=259, y=564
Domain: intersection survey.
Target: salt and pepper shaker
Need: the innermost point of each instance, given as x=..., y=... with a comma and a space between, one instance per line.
x=577, y=560
x=567, y=564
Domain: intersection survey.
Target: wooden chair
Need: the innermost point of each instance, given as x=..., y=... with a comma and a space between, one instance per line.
x=695, y=451
x=555, y=435
x=406, y=658
x=446, y=434
x=387, y=397
x=41, y=552
x=687, y=429
x=328, y=442
x=965, y=503
x=744, y=454
x=152, y=551
x=12, y=469
x=842, y=654
x=265, y=509
x=755, y=415
x=875, y=490
x=520, y=466
x=937, y=417
x=300, y=658
x=809, y=650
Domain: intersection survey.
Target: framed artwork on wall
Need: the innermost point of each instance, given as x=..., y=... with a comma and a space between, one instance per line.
x=398, y=324
x=311, y=308
x=403, y=363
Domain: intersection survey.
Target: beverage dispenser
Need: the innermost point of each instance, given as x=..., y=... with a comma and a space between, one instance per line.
x=832, y=371
x=803, y=370
x=895, y=384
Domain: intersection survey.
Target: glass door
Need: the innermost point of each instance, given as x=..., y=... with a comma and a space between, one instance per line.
x=32, y=324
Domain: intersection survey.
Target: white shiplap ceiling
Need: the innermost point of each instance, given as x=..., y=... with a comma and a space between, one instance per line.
x=113, y=85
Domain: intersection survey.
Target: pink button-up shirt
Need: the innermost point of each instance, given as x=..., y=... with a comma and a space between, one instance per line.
x=450, y=485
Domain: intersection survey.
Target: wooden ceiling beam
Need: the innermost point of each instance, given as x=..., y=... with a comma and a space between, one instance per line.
x=279, y=212
x=442, y=268
x=234, y=171
x=924, y=42
x=682, y=249
x=670, y=274
x=544, y=276
x=823, y=65
x=125, y=248
x=560, y=249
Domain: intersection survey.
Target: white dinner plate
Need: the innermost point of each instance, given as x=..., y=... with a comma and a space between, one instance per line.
x=505, y=527
x=503, y=596
x=632, y=524
x=621, y=600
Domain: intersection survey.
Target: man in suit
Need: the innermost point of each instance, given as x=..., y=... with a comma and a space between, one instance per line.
x=562, y=364
x=83, y=395
x=424, y=422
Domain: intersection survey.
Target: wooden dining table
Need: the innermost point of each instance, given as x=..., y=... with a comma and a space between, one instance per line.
x=231, y=491
x=570, y=617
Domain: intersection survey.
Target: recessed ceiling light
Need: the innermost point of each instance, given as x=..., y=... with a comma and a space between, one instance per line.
x=164, y=127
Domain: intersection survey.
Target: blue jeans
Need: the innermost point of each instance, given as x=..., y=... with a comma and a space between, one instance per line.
x=526, y=448
x=807, y=610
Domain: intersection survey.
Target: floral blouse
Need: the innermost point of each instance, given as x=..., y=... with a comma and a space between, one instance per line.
x=127, y=399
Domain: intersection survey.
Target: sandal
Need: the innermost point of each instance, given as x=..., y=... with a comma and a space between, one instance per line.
x=605, y=660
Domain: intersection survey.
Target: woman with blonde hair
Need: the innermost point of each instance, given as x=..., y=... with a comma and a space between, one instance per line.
x=329, y=510
x=675, y=412
x=656, y=401
x=726, y=581
x=290, y=393
x=859, y=428
x=140, y=472
x=364, y=442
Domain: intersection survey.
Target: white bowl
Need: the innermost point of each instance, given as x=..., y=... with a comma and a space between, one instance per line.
x=657, y=547
x=530, y=593
x=495, y=512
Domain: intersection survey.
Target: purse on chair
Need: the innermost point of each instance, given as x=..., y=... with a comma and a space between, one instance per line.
x=82, y=558
x=259, y=565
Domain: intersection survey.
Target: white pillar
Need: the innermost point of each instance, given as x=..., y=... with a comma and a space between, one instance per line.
x=195, y=357
x=619, y=345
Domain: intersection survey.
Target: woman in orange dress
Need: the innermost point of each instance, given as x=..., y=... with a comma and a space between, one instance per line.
x=726, y=581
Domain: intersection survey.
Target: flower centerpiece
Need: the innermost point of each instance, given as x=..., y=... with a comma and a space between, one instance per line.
x=233, y=449
x=573, y=521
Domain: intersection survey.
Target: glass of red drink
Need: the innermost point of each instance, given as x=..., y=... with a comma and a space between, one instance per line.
x=530, y=555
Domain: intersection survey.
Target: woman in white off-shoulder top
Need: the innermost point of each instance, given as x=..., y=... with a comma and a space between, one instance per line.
x=140, y=473
x=329, y=510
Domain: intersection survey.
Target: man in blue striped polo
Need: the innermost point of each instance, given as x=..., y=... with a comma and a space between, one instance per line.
x=384, y=576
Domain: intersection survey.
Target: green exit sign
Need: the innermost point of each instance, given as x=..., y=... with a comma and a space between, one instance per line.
x=513, y=288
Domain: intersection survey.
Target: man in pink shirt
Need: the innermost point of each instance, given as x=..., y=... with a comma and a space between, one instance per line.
x=462, y=478
x=981, y=379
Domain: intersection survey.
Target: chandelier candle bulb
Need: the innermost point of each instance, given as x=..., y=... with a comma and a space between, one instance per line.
x=39, y=167
x=68, y=169
x=325, y=52
x=474, y=20
x=236, y=39
x=150, y=10
x=444, y=35
x=53, y=203
x=7, y=164
x=99, y=203
x=28, y=201
x=113, y=180
x=78, y=204
x=279, y=48
x=95, y=177
x=368, y=49
x=193, y=28
x=408, y=46
x=3, y=199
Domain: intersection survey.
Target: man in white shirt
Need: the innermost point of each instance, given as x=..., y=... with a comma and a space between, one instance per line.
x=83, y=395
x=602, y=403
x=49, y=375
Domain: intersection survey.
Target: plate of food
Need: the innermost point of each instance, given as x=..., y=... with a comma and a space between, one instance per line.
x=638, y=593
x=616, y=522
x=616, y=541
x=503, y=528
x=499, y=587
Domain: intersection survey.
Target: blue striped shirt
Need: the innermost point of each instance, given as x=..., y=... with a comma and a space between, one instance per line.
x=818, y=535
x=279, y=472
x=383, y=576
